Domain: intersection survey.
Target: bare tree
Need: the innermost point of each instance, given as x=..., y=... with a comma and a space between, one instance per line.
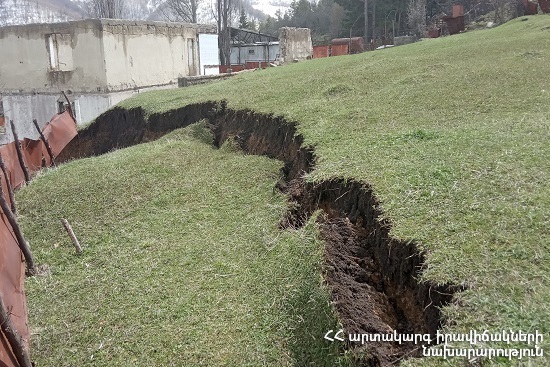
x=226, y=10
x=416, y=16
x=185, y=10
x=112, y=9
x=181, y=10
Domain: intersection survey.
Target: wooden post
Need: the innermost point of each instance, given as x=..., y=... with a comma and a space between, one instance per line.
x=45, y=141
x=20, y=153
x=69, y=106
x=15, y=341
x=8, y=185
x=17, y=231
x=71, y=234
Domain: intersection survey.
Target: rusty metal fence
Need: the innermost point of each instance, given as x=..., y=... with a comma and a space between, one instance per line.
x=57, y=134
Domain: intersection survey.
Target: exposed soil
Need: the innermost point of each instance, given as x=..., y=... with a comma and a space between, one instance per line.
x=372, y=276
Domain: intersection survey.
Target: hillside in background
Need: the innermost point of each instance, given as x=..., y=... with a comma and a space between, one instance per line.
x=48, y=11
x=13, y=12
x=430, y=162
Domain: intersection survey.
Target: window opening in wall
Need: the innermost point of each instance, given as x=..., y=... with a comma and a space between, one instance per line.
x=52, y=51
x=251, y=51
x=60, y=52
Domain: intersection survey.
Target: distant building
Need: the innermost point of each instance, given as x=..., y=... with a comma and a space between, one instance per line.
x=251, y=50
x=98, y=62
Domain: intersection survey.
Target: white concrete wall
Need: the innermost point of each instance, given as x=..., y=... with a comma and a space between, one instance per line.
x=89, y=106
x=22, y=110
x=144, y=55
x=295, y=44
x=25, y=55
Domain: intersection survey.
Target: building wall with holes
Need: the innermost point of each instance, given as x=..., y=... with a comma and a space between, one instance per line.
x=98, y=62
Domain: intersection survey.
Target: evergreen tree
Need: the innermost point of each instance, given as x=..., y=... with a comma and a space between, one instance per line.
x=243, y=20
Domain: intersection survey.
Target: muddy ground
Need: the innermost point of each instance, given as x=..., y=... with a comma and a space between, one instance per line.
x=371, y=276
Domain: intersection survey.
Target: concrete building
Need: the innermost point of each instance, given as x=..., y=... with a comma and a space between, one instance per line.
x=98, y=62
x=251, y=50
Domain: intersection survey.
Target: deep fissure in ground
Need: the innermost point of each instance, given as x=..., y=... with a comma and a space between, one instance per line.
x=372, y=277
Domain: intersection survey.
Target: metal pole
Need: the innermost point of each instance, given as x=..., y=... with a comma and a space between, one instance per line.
x=349, y=47
x=385, y=24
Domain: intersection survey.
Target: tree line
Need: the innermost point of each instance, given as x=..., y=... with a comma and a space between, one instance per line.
x=375, y=19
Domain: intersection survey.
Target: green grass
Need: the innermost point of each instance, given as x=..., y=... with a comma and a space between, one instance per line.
x=183, y=264
x=451, y=133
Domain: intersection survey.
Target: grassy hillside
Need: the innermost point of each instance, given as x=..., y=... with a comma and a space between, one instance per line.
x=183, y=265
x=451, y=133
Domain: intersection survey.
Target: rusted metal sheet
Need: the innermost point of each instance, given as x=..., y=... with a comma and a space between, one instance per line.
x=320, y=51
x=544, y=6
x=12, y=275
x=5, y=188
x=337, y=50
x=9, y=154
x=33, y=153
x=60, y=131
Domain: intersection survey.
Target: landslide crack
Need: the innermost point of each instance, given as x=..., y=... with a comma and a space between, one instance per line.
x=372, y=277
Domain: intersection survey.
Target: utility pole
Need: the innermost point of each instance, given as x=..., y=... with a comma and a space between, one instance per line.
x=373, y=18
x=366, y=11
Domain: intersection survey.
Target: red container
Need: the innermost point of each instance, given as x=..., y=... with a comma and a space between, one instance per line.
x=355, y=44
x=338, y=50
x=320, y=51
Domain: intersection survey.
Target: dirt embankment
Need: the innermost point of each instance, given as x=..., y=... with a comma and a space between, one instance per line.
x=372, y=276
